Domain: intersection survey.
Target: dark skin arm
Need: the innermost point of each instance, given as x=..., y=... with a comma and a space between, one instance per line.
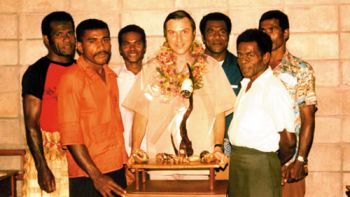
x=296, y=170
x=102, y=183
x=32, y=110
x=286, y=146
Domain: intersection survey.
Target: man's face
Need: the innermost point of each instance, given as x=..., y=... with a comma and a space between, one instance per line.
x=95, y=46
x=216, y=37
x=62, y=39
x=132, y=48
x=250, y=60
x=179, y=35
x=273, y=29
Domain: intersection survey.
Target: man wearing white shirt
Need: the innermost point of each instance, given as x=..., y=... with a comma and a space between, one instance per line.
x=262, y=130
x=132, y=47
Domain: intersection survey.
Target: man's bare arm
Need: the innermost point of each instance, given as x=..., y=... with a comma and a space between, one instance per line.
x=32, y=110
x=306, y=135
x=219, y=128
x=138, y=131
x=103, y=184
x=286, y=146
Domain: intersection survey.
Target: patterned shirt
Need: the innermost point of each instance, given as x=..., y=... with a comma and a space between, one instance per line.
x=299, y=78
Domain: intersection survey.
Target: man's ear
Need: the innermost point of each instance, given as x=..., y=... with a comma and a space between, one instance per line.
x=266, y=58
x=79, y=47
x=46, y=40
x=286, y=34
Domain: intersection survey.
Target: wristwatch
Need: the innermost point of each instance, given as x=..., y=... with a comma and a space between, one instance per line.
x=220, y=146
x=301, y=159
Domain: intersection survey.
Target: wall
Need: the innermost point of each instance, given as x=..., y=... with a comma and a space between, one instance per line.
x=320, y=34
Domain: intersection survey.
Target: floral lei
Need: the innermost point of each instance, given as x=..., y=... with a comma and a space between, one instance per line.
x=168, y=80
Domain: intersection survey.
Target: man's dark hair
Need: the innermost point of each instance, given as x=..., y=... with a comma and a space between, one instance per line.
x=59, y=16
x=215, y=16
x=276, y=14
x=89, y=24
x=179, y=14
x=262, y=40
x=131, y=28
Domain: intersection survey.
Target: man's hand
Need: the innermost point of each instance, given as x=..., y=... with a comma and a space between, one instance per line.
x=107, y=187
x=102, y=183
x=297, y=171
x=138, y=156
x=46, y=179
x=221, y=157
x=284, y=174
x=130, y=177
x=293, y=172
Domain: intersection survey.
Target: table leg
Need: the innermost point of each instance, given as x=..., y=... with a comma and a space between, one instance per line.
x=143, y=176
x=13, y=186
x=211, y=178
x=137, y=181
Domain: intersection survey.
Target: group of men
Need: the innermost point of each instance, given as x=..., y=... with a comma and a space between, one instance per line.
x=83, y=117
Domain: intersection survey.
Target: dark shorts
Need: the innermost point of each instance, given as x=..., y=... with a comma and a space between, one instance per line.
x=84, y=187
x=254, y=173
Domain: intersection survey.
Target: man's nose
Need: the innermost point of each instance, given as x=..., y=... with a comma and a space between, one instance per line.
x=132, y=48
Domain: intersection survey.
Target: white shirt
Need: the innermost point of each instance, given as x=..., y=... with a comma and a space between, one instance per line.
x=261, y=113
x=125, y=82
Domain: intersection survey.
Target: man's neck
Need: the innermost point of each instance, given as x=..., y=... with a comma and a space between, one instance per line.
x=276, y=56
x=133, y=67
x=60, y=59
x=218, y=56
x=182, y=60
x=95, y=67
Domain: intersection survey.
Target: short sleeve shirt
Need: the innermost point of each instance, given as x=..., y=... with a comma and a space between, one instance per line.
x=164, y=117
x=40, y=80
x=299, y=78
x=88, y=113
x=261, y=113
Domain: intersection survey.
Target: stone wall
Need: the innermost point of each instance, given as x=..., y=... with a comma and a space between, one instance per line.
x=320, y=34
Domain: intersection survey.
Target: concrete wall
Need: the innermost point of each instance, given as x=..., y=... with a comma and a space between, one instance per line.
x=320, y=34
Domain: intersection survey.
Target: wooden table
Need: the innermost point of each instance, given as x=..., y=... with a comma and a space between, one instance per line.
x=153, y=165
x=8, y=183
x=178, y=188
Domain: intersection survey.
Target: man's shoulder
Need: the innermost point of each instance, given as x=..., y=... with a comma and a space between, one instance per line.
x=295, y=62
x=40, y=64
x=230, y=62
x=275, y=86
x=150, y=64
x=211, y=61
x=231, y=55
x=37, y=71
x=73, y=74
x=41, y=61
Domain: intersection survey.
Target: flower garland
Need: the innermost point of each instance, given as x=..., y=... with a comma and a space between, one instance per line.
x=168, y=80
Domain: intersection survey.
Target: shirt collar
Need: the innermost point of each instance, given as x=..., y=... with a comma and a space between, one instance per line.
x=82, y=63
x=121, y=69
x=285, y=56
x=260, y=80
